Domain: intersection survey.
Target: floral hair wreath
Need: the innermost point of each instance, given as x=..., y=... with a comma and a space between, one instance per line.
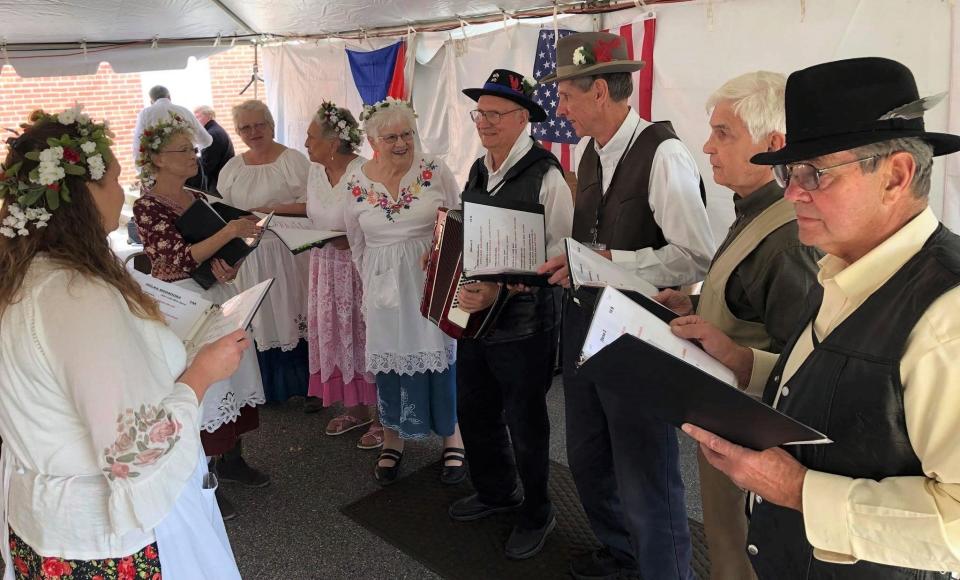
x=346, y=130
x=154, y=137
x=41, y=190
x=370, y=110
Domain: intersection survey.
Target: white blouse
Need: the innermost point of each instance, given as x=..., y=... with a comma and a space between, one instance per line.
x=325, y=202
x=248, y=186
x=99, y=439
x=387, y=238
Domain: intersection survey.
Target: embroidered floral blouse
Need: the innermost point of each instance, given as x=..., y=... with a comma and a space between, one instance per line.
x=169, y=253
x=99, y=439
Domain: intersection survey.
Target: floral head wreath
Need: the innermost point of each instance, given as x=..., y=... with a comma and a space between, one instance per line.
x=371, y=110
x=153, y=139
x=30, y=196
x=347, y=129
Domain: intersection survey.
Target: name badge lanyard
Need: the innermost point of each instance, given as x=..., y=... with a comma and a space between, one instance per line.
x=595, y=230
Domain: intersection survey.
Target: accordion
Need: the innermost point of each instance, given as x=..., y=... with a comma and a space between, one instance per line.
x=440, y=304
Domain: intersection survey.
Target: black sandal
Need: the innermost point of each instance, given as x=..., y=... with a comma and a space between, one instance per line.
x=453, y=474
x=387, y=475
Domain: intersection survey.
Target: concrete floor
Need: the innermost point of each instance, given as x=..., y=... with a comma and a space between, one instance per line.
x=293, y=529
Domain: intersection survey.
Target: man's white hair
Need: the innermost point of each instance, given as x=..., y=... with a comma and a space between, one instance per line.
x=757, y=98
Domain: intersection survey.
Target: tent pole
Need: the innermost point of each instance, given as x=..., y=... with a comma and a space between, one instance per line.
x=234, y=17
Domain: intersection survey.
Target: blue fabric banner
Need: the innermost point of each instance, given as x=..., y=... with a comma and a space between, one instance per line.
x=372, y=71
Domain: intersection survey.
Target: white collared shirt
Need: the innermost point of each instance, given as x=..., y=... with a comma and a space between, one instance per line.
x=674, y=194
x=554, y=194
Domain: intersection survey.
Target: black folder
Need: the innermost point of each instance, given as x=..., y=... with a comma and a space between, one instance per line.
x=532, y=279
x=199, y=222
x=633, y=374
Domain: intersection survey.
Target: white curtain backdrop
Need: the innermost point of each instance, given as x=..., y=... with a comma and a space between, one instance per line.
x=694, y=54
x=951, y=183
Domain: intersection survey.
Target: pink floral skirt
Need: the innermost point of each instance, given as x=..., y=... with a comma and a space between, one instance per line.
x=336, y=332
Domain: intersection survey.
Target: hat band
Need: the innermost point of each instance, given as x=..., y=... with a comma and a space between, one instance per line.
x=811, y=133
x=498, y=88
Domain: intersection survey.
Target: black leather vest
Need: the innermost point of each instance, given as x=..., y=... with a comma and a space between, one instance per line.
x=849, y=388
x=524, y=314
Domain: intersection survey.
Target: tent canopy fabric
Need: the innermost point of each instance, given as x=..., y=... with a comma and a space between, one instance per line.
x=184, y=28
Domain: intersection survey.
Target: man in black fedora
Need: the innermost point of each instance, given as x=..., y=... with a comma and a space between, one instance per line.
x=503, y=377
x=638, y=203
x=875, y=365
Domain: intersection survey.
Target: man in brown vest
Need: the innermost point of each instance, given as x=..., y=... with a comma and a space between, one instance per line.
x=874, y=364
x=638, y=202
x=759, y=275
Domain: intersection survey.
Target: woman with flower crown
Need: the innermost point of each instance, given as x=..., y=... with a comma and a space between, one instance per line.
x=167, y=159
x=103, y=475
x=270, y=176
x=390, y=218
x=337, y=335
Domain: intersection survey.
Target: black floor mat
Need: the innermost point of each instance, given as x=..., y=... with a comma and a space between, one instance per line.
x=412, y=515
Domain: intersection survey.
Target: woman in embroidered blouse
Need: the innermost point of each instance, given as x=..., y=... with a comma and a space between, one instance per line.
x=335, y=321
x=271, y=177
x=167, y=159
x=390, y=225
x=103, y=473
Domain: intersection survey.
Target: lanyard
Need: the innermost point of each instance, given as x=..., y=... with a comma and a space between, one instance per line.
x=595, y=230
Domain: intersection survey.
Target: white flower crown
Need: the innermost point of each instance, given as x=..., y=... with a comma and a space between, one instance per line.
x=154, y=137
x=346, y=129
x=371, y=110
x=40, y=191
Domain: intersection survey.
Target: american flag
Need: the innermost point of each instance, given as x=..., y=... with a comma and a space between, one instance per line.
x=556, y=134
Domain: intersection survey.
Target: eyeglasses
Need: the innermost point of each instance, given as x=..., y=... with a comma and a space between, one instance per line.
x=492, y=117
x=194, y=150
x=253, y=127
x=391, y=139
x=806, y=175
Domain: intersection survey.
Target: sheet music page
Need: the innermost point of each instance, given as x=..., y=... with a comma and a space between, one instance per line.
x=498, y=240
x=181, y=308
x=616, y=315
x=588, y=268
x=298, y=238
x=234, y=314
x=264, y=223
x=289, y=222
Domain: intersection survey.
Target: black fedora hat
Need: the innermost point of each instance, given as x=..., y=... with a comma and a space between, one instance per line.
x=845, y=104
x=513, y=86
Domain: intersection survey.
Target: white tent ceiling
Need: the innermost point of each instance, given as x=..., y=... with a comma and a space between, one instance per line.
x=43, y=37
x=52, y=21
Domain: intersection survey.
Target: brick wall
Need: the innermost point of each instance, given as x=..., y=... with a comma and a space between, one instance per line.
x=229, y=72
x=118, y=97
x=105, y=95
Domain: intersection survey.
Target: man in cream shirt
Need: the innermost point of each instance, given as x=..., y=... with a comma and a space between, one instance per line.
x=875, y=366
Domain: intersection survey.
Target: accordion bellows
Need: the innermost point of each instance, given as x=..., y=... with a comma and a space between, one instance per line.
x=445, y=278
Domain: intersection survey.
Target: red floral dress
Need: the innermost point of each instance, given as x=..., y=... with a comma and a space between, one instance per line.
x=28, y=565
x=169, y=253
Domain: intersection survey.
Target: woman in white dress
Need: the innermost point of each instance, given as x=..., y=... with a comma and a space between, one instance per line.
x=167, y=159
x=271, y=177
x=103, y=475
x=335, y=321
x=390, y=221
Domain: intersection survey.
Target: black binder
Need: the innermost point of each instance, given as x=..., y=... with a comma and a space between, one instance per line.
x=637, y=375
x=199, y=222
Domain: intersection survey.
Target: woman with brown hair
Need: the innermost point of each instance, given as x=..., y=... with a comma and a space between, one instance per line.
x=102, y=471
